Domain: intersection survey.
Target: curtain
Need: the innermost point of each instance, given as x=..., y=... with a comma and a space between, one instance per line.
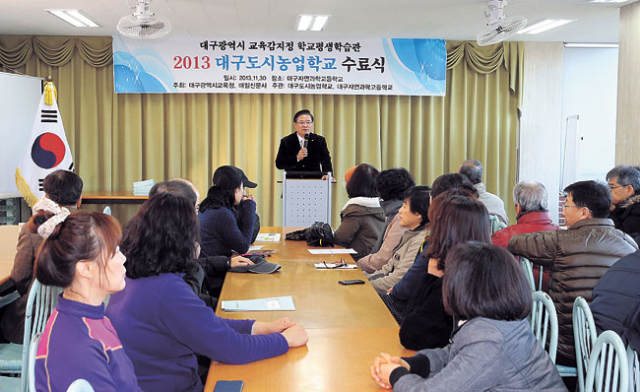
x=120, y=138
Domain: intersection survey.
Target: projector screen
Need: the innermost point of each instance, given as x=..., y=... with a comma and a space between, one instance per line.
x=19, y=99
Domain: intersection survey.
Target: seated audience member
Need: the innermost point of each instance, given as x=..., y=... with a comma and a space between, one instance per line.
x=391, y=185
x=617, y=294
x=531, y=200
x=449, y=181
x=362, y=218
x=207, y=278
x=472, y=169
x=493, y=347
x=402, y=291
x=63, y=188
x=224, y=229
x=81, y=255
x=578, y=257
x=162, y=323
x=456, y=220
x=624, y=182
x=413, y=216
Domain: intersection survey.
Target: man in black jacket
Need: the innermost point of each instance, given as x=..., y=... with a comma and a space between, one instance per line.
x=624, y=182
x=293, y=156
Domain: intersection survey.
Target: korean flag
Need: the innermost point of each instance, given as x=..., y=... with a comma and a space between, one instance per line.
x=47, y=150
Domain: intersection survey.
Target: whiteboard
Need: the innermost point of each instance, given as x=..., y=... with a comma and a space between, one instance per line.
x=19, y=99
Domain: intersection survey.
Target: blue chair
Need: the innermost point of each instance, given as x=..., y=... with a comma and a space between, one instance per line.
x=584, y=334
x=495, y=223
x=107, y=210
x=42, y=300
x=544, y=322
x=608, y=367
x=10, y=353
x=527, y=267
x=33, y=352
x=634, y=370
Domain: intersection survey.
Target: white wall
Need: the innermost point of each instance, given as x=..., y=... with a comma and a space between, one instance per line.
x=590, y=90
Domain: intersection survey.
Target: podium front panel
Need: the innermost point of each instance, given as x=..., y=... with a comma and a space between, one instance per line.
x=306, y=201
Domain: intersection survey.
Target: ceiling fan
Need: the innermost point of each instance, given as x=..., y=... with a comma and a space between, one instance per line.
x=499, y=27
x=143, y=24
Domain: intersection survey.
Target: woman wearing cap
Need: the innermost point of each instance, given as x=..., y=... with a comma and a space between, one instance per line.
x=162, y=323
x=493, y=347
x=223, y=228
x=362, y=216
x=80, y=255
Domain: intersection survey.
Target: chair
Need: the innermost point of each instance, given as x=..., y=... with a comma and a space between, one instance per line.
x=634, y=370
x=80, y=385
x=107, y=210
x=544, y=322
x=33, y=352
x=10, y=353
x=495, y=223
x=608, y=367
x=527, y=267
x=42, y=300
x=584, y=334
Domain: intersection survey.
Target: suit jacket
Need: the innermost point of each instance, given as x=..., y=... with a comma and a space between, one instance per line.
x=318, y=154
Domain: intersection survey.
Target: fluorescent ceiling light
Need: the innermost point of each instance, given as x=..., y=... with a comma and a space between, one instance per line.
x=545, y=25
x=589, y=45
x=319, y=22
x=608, y=1
x=73, y=17
x=312, y=22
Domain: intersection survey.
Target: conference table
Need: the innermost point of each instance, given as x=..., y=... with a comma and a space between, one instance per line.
x=347, y=325
x=8, y=242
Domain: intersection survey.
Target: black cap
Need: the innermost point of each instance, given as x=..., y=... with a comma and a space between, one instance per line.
x=245, y=180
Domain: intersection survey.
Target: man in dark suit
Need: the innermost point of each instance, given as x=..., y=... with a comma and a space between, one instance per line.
x=292, y=156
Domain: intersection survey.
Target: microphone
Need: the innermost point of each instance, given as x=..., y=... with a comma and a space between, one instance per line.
x=306, y=140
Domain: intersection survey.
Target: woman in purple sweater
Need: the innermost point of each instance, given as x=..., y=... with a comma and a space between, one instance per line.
x=160, y=320
x=81, y=255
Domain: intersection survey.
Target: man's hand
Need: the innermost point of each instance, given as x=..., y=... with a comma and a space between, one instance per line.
x=301, y=154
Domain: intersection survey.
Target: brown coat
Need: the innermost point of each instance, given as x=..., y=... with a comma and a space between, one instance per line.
x=360, y=228
x=375, y=261
x=577, y=258
x=12, y=323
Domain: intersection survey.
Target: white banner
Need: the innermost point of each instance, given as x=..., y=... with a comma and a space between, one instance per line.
x=386, y=66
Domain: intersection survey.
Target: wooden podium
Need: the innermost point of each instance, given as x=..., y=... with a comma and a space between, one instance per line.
x=305, y=200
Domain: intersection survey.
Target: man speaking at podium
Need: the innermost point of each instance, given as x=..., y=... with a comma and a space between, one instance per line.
x=304, y=150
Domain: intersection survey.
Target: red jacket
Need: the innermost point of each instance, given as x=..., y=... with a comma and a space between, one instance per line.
x=530, y=222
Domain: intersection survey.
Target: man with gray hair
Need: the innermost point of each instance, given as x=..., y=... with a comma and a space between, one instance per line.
x=531, y=200
x=472, y=169
x=624, y=182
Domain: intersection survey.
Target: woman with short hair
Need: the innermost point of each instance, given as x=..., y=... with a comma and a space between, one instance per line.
x=362, y=217
x=493, y=347
x=81, y=255
x=162, y=322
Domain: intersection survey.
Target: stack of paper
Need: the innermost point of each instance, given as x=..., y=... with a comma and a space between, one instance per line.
x=275, y=303
x=142, y=188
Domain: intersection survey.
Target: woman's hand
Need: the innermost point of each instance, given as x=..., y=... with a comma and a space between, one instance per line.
x=382, y=367
x=296, y=336
x=278, y=326
x=239, y=261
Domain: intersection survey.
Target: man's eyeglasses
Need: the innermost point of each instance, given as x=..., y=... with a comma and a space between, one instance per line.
x=335, y=264
x=616, y=186
x=566, y=206
x=304, y=122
